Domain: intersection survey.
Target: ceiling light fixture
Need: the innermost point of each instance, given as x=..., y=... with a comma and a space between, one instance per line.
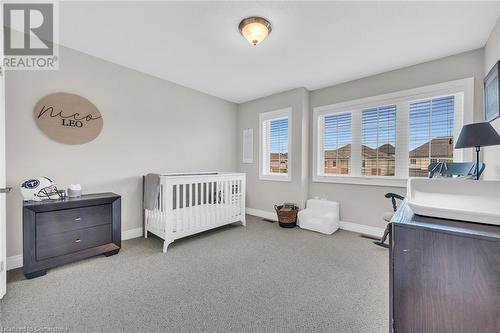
x=255, y=29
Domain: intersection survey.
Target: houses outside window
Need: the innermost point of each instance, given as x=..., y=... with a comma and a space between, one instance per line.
x=378, y=144
x=383, y=140
x=430, y=136
x=275, y=147
x=335, y=141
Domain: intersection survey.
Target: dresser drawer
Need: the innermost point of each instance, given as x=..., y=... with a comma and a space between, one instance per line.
x=60, y=221
x=71, y=241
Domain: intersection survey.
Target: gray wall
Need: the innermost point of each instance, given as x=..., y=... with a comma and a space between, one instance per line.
x=365, y=204
x=263, y=194
x=150, y=125
x=491, y=56
x=359, y=203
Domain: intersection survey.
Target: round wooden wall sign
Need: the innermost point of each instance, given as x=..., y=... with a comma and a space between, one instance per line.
x=68, y=118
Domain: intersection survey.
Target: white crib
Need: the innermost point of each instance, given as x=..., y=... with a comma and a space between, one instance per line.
x=191, y=203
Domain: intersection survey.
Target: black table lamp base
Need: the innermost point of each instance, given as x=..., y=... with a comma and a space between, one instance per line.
x=478, y=148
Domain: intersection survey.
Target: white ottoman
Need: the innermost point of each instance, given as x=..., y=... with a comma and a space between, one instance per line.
x=320, y=215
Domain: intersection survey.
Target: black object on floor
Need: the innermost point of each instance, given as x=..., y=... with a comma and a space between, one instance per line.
x=379, y=243
x=382, y=240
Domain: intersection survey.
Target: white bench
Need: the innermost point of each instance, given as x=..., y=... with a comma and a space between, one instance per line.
x=320, y=215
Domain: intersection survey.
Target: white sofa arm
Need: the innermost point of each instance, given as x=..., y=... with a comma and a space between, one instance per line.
x=305, y=214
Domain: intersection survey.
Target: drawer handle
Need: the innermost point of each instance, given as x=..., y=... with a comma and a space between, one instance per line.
x=78, y=219
x=78, y=240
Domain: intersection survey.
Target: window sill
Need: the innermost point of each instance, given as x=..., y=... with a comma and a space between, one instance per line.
x=278, y=178
x=354, y=180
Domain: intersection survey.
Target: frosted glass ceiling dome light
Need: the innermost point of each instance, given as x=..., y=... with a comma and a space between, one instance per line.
x=255, y=29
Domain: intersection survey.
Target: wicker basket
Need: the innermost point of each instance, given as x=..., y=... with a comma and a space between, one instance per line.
x=286, y=218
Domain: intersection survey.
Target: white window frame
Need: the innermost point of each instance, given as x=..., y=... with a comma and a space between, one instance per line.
x=264, y=173
x=464, y=113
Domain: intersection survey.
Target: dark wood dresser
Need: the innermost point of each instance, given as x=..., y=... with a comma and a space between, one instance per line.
x=57, y=232
x=444, y=275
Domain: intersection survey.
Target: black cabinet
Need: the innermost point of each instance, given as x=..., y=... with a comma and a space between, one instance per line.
x=57, y=232
x=444, y=275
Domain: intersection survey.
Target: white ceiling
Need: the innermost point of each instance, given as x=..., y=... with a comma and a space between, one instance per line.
x=312, y=45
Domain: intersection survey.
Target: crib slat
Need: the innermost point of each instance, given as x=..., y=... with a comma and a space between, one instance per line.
x=228, y=193
x=222, y=198
x=229, y=199
x=239, y=197
x=216, y=206
x=214, y=215
x=185, y=214
x=184, y=210
x=195, y=205
x=217, y=200
x=186, y=205
x=211, y=206
x=191, y=222
x=178, y=225
x=198, y=203
x=235, y=190
x=235, y=199
x=205, y=216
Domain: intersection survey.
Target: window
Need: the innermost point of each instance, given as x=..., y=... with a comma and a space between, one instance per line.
x=275, y=145
x=278, y=140
x=336, y=143
x=379, y=141
x=383, y=140
x=430, y=133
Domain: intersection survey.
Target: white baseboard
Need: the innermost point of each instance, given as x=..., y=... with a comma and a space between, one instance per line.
x=344, y=225
x=16, y=261
x=362, y=229
x=132, y=233
x=262, y=213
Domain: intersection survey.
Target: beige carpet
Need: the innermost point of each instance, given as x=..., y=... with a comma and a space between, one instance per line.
x=261, y=278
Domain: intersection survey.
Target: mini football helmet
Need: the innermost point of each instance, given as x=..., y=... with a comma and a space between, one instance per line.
x=39, y=188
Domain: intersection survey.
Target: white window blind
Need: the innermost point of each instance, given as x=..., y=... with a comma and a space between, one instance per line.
x=378, y=141
x=335, y=143
x=383, y=140
x=278, y=144
x=430, y=133
x=275, y=145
